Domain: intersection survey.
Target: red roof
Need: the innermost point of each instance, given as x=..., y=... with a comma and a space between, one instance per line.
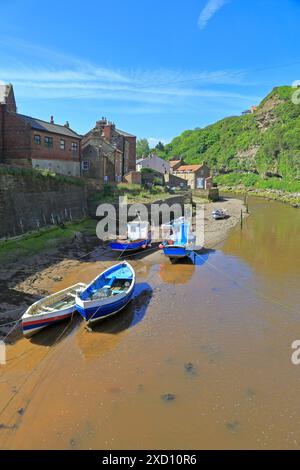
x=174, y=162
x=189, y=168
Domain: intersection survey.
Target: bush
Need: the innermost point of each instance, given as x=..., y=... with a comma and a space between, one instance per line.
x=256, y=181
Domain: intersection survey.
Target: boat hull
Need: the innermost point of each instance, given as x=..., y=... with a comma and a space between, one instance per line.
x=31, y=326
x=100, y=311
x=93, y=310
x=129, y=247
x=176, y=252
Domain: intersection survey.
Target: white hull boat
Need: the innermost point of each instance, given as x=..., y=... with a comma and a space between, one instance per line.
x=50, y=309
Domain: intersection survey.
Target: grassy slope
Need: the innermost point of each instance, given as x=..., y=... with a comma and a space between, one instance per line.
x=134, y=193
x=267, y=141
x=45, y=239
x=40, y=175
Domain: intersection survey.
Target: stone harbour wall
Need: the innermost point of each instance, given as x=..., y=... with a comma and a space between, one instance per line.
x=28, y=203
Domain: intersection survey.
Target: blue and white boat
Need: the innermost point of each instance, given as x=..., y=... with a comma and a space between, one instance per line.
x=138, y=237
x=180, y=242
x=107, y=294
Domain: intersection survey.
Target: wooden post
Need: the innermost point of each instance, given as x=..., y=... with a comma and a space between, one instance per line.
x=241, y=219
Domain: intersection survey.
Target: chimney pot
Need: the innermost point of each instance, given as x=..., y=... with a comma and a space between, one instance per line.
x=67, y=124
x=52, y=120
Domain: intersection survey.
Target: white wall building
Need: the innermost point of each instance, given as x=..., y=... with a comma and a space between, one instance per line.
x=154, y=162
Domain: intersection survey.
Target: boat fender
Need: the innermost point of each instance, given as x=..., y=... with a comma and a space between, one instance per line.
x=161, y=246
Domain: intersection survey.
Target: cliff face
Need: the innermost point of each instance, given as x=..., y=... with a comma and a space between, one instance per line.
x=267, y=141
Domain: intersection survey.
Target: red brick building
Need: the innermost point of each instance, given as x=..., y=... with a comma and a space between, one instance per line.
x=105, y=153
x=124, y=142
x=27, y=141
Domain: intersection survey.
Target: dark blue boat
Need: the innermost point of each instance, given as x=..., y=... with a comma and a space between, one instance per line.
x=138, y=238
x=180, y=243
x=107, y=294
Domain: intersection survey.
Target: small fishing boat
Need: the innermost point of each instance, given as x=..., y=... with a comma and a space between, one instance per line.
x=180, y=242
x=138, y=237
x=50, y=309
x=219, y=214
x=106, y=295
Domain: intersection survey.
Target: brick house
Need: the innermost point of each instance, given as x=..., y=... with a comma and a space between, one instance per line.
x=30, y=142
x=197, y=176
x=100, y=159
x=124, y=142
x=107, y=153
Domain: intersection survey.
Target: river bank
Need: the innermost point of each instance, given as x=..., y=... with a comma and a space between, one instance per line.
x=36, y=265
x=292, y=199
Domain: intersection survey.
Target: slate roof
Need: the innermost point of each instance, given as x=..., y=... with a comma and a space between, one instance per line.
x=125, y=134
x=45, y=126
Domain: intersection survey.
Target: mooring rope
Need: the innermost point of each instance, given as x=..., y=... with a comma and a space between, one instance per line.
x=251, y=289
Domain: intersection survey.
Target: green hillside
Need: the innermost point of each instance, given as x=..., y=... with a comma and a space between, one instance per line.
x=267, y=141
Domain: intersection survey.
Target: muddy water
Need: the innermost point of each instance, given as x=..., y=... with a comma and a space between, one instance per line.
x=215, y=335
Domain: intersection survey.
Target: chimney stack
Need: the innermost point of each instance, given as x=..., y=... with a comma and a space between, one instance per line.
x=52, y=120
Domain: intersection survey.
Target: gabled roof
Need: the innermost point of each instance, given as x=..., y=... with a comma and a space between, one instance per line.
x=189, y=168
x=124, y=134
x=45, y=126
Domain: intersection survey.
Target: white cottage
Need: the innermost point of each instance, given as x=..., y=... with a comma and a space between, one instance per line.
x=154, y=162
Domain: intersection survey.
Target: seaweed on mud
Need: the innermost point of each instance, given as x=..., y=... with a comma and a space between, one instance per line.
x=233, y=426
x=190, y=368
x=167, y=397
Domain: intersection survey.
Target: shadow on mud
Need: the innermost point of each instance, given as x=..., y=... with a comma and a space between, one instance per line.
x=106, y=254
x=54, y=334
x=132, y=314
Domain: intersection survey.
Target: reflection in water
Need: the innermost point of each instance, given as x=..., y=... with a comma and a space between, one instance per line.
x=183, y=270
x=179, y=273
x=269, y=240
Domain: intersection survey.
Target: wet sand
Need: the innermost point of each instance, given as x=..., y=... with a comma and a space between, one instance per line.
x=199, y=359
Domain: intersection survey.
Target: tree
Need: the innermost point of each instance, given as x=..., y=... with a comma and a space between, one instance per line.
x=160, y=146
x=142, y=148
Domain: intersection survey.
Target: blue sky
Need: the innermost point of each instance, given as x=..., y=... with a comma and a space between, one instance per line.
x=155, y=67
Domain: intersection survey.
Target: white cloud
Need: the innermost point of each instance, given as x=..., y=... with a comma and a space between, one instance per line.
x=58, y=76
x=209, y=11
x=153, y=141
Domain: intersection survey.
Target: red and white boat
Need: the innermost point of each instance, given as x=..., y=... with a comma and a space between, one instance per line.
x=51, y=309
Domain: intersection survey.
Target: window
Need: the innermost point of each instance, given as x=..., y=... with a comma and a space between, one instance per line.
x=48, y=142
x=62, y=144
x=74, y=146
x=85, y=165
x=37, y=139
